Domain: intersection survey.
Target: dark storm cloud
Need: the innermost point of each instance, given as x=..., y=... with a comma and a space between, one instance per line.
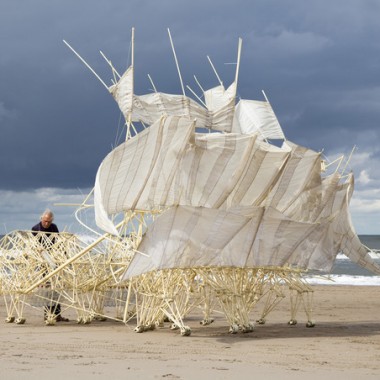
x=318, y=62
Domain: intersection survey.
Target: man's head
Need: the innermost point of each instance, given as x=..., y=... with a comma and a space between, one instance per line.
x=47, y=218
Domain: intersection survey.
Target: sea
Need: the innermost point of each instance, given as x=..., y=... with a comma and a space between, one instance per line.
x=344, y=271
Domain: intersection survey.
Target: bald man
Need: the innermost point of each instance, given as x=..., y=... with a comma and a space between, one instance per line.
x=46, y=225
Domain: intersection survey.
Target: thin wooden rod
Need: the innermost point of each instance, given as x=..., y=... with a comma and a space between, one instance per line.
x=196, y=95
x=133, y=47
x=151, y=82
x=238, y=62
x=213, y=67
x=114, y=71
x=69, y=261
x=176, y=62
x=129, y=118
x=348, y=159
x=196, y=80
x=86, y=64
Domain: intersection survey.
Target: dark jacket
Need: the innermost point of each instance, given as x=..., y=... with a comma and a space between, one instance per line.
x=52, y=228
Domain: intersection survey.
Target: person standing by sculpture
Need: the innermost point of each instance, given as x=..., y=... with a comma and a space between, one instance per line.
x=47, y=226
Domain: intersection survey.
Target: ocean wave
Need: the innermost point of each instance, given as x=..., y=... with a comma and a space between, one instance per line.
x=341, y=256
x=345, y=280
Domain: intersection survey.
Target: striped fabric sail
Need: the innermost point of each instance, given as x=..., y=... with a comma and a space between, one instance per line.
x=168, y=165
x=185, y=237
x=217, y=115
x=254, y=116
x=230, y=198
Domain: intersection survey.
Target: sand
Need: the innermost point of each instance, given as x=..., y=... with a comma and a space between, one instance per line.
x=344, y=344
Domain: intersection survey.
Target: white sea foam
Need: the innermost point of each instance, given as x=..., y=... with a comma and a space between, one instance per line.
x=344, y=279
x=341, y=256
x=374, y=255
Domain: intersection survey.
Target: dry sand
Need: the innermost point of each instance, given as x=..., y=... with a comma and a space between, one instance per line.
x=344, y=344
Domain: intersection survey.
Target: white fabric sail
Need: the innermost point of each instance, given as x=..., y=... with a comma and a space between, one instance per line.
x=184, y=237
x=225, y=170
x=218, y=97
x=168, y=165
x=253, y=116
x=346, y=236
x=122, y=92
x=148, y=108
x=270, y=204
x=230, y=199
x=322, y=206
x=141, y=166
x=238, y=233
x=262, y=167
x=102, y=218
x=220, y=104
x=301, y=172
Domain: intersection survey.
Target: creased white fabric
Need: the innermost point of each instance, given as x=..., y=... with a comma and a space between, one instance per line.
x=230, y=199
x=253, y=116
x=148, y=108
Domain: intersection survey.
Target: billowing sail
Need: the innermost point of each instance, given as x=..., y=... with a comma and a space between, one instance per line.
x=253, y=116
x=220, y=104
x=226, y=170
x=218, y=113
x=151, y=107
x=185, y=237
x=346, y=236
x=169, y=165
x=301, y=172
x=322, y=205
x=231, y=198
x=122, y=92
x=141, y=169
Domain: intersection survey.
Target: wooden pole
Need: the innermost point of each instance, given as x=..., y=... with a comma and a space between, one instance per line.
x=129, y=116
x=176, y=62
x=196, y=80
x=151, y=82
x=69, y=261
x=213, y=67
x=200, y=100
x=238, y=62
x=87, y=65
x=114, y=71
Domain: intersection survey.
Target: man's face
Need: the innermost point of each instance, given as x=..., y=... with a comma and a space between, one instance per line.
x=46, y=221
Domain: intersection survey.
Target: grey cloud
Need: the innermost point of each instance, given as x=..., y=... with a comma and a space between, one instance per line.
x=317, y=61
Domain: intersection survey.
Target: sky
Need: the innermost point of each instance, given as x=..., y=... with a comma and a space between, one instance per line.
x=318, y=62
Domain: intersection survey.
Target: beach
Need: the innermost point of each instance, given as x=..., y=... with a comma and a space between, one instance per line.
x=344, y=344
